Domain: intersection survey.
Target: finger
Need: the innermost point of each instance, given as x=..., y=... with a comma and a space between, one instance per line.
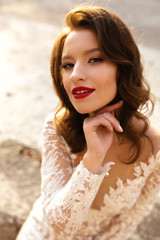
x=111, y=108
x=92, y=124
x=109, y=117
x=103, y=121
x=113, y=114
x=114, y=122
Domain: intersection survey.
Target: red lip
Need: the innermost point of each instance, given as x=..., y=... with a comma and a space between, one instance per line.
x=78, y=94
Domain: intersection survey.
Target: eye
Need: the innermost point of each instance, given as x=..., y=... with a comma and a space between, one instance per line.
x=96, y=59
x=67, y=65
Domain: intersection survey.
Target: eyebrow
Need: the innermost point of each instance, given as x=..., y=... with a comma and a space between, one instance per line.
x=85, y=53
x=91, y=50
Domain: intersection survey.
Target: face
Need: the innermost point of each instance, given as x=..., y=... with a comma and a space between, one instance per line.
x=89, y=78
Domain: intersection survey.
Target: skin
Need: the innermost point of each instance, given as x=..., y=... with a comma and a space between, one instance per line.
x=84, y=65
x=99, y=128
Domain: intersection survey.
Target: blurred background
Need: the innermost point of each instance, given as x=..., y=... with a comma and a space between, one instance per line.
x=28, y=29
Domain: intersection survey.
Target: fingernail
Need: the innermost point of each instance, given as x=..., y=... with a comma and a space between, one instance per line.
x=120, y=128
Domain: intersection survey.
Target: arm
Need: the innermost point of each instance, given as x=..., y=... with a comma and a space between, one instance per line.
x=66, y=195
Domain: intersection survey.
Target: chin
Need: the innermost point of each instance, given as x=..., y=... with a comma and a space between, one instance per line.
x=82, y=112
x=86, y=111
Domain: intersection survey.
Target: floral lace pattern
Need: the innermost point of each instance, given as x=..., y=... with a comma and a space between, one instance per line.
x=64, y=209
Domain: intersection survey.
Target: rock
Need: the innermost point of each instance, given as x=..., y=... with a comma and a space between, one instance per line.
x=9, y=226
x=19, y=184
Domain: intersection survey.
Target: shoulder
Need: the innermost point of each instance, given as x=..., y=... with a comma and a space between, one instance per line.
x=49, y=119
x=154, y=135
x=50, y=131
x=49, y=126
x=51, y=138
x=54, y=116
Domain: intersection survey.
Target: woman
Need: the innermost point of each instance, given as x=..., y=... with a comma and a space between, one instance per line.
x=100, y=126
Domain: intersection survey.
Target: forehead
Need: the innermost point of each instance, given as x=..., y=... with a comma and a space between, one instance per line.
x=80, y=39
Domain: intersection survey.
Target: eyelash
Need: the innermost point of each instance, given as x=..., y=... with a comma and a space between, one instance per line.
x=67, y=65
x=96, y=59
x=92, y=60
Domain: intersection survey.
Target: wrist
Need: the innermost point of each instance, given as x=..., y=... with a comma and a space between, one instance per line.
x=93, y=164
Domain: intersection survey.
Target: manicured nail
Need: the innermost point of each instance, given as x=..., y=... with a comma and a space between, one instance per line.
x=120, y=128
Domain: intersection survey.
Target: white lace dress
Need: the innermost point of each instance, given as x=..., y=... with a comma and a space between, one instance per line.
x=64, y=211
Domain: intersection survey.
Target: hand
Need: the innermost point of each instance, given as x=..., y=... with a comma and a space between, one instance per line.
x=98, y=130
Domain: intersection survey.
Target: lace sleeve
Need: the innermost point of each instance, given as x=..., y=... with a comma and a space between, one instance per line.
x=126, y=223
x=66, y=194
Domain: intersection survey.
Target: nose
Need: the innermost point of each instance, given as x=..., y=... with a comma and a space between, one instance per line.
x=78, y=73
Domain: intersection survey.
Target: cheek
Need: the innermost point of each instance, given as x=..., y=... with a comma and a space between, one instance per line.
x=63, y=79
x=110, y=83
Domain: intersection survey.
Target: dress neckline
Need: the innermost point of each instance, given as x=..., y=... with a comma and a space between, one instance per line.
x=141, y=171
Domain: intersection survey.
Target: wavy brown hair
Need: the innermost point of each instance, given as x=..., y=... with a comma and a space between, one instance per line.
x=117, y=43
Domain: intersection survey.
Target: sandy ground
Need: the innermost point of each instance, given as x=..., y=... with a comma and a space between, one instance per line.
x=27, y=32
